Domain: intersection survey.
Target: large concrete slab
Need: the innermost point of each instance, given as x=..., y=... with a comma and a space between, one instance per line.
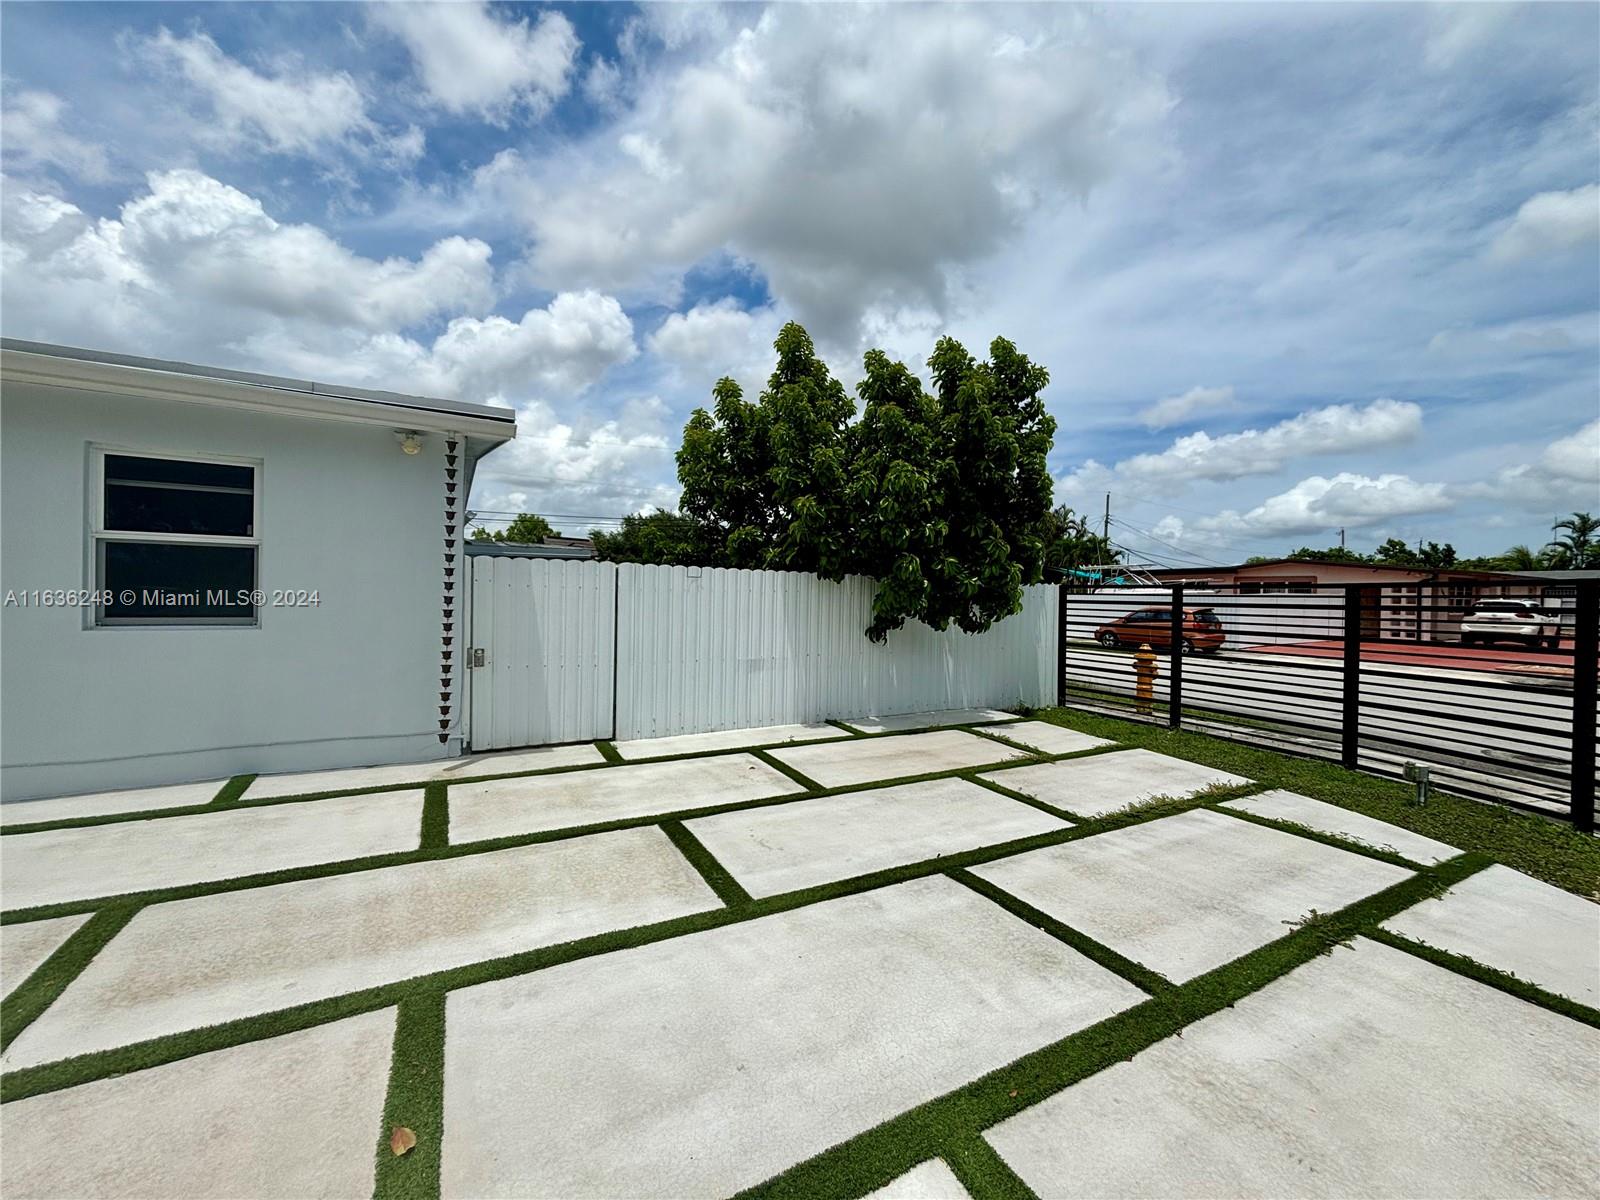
x=294, y=1116
x=199, y=962
x=1049, y=739
x=105, y=804
x=1187, y=893
x=1341, y=822
x=726, y=739
x=931, y=1180
x=704, y=1064
x=540, y=758
x=1105, y=783
x=1504, y=919
x=791, y=846
x=930, y=720
x=23, y=948
x=1366, y=1072
x=864, y=760
x=133, y=856
x=508, y=807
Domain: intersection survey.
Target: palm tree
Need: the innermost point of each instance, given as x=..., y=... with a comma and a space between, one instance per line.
x=1520, y=558
x=1578, y=547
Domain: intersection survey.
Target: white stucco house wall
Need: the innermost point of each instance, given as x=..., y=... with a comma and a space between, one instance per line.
x=279, y=566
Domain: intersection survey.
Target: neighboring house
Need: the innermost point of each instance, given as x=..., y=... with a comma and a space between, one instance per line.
x=276, y=563
x=544, y=549
x=1404, y=603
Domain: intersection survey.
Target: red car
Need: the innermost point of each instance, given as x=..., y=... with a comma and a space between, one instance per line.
x=1202, y=630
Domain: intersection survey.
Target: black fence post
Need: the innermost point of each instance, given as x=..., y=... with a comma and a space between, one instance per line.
x=1061, y=644
x=1175, y=658
x=1350, y=678
x=1585, y=666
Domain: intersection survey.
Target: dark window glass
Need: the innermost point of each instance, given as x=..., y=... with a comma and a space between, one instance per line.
x=155, y=581
x=1207, y=618
x=161, y=495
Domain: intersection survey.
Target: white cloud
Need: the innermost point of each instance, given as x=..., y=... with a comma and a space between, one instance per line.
x=1550, y=223
x=1196, y=402
x=1457, y=30
x=1519, y=339
x=856, y=155
x=471, y=61
x=292, y=111
x=1335, y=429
x=193, y=263
x=1565, y=476
x=713, y=340
x=1317, y=504
x=34, y=138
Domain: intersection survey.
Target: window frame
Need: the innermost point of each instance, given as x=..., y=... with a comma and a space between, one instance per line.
x=100, y=537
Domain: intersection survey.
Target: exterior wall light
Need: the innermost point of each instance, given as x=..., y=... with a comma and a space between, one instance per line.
x=410, y=440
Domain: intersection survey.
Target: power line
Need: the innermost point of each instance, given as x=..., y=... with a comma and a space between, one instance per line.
x=1179, y=550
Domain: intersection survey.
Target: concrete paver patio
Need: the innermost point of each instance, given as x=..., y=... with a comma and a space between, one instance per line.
x=1366, y=1072
x=511, y=806
x=790, y=846
x=904, y=722
x=293, y=1116
x=1190, y=892
x=701, y=1065
x=1104, y=783
x=105, y=804
x=106, y=860
x=1503, y=919
x=191, y=963
x=695, y=1004
x=726, y=739
x=865, y=760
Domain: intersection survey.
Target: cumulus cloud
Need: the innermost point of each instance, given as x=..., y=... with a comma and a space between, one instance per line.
x=192, y=263
x=1519, y=339
x=855, y=155
x=1320, y=503
x=1566, y=475
x=1335, y=429
x=1196, y=402
x=471, y=61
x=717, y=339
x=290, y=111
x=34, y=138
x=1550, y=223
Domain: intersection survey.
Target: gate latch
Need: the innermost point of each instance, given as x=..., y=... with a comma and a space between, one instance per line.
x=477, y=656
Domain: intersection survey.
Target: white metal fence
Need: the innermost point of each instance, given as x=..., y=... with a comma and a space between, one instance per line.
x=578, y=650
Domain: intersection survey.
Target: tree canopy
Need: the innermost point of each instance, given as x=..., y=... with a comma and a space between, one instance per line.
x=526, y=529
x=941, y=496
x=660, y=537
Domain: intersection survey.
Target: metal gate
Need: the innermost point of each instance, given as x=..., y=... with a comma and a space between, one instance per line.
x=542, y=654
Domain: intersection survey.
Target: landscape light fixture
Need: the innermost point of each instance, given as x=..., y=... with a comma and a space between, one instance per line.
x=410, y=440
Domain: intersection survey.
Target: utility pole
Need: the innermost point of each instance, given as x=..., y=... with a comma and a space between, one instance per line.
x=1105, y=529
x=1341, y=537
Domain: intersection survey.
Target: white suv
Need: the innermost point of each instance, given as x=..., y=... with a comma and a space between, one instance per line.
x=1511, y=621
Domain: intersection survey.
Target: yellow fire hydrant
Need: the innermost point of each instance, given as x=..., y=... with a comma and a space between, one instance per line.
x=1145, y=667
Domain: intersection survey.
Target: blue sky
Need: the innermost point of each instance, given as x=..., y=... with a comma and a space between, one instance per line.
x=1292, y=267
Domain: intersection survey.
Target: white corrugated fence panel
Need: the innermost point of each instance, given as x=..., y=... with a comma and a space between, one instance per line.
x=702, y=649
x=547, y=629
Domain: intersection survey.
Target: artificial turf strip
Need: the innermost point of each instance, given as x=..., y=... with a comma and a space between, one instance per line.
x=1019, y=797
x=1535, y=845
x=944, y=1126
x=608, y=751
x=40, y=989
x=804, y=780
x=1503, y=981
x=230, y=792
x=982, y=1171
x=415, y=1100
x=69, y=1072
x=702, y=860
x=435, y=817
x=1140, y=976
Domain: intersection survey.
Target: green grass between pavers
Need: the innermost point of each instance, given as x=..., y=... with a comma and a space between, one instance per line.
x=1537, y=846
x=716, y=875
x=415, y=1100
x=946, y=1127
x=231, y=791
x=51, y=977
x=608, y=751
